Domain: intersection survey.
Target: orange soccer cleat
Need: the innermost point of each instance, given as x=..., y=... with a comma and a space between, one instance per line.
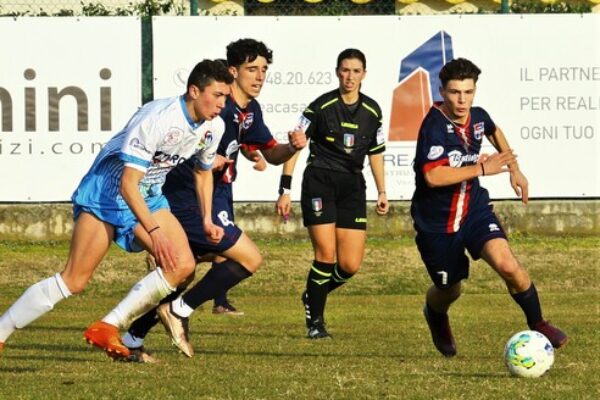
x=106, y=337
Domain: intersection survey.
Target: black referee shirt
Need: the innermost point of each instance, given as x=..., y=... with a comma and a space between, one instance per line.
x=341, y=135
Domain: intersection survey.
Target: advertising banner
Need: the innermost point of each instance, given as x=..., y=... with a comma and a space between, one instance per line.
x=540, y=83
x=67, y=85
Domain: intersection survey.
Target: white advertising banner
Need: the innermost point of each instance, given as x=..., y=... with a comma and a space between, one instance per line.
x=540, y=83
x=67, y=85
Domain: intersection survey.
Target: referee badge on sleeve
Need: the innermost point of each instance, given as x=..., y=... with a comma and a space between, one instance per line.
x=317, y=206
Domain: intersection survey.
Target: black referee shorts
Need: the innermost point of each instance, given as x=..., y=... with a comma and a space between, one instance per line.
x=334, y=197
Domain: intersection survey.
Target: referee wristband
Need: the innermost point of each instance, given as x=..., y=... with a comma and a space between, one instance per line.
x=285, y=184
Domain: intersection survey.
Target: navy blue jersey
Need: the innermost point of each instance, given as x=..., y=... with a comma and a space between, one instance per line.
x=443, y=142
x=341, y=135
x=244, y=128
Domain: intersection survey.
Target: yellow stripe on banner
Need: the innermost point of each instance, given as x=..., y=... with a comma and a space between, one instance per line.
x=330, y=102
x=370, y=109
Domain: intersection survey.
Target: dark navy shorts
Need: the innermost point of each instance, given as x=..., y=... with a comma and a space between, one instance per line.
x=444, y=253
x=334, y=197
x=187, y=212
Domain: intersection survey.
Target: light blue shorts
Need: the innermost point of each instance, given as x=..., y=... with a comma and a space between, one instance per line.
x=124, y=221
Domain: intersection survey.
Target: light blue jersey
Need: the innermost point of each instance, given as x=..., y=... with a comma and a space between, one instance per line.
x=158, y=137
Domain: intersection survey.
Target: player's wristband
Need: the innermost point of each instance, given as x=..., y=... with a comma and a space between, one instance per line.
x=153, y=229
x=482, y=170
x=285, y=184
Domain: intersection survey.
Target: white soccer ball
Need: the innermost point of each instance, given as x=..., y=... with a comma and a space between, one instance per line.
x=528, y=354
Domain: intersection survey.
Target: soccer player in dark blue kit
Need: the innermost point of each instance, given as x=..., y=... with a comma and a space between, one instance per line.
x=451, y=211
x=235, y=257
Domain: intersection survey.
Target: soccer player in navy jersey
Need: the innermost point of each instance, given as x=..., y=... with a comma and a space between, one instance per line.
x=451, y=211
x=344, y=127
x=235, y=257
x=120, y=200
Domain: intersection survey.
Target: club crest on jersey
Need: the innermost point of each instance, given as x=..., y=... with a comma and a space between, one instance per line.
x=206, y=141
x=248, y=120
x=478, y=130
x=317, y=206
x=348, y=142
x=174, y=136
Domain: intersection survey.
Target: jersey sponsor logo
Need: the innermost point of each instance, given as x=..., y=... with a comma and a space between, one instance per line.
x=224, y=218
x=348, y=142
x=478, y=130
x=136, y=144
x=493, y=227
x=349, y=125
x=173, y=137
x=457, y=159
x=165, y=158
x=317, y=206
x=435, y=152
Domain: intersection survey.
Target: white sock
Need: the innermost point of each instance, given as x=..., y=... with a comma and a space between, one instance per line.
x=36, y=301
x=145, y=295
x=180, y=308
x=133, y=342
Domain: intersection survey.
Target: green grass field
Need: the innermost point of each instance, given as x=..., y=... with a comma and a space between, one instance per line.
x=381, y=347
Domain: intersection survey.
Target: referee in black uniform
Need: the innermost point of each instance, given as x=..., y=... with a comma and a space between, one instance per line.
x=343, y=126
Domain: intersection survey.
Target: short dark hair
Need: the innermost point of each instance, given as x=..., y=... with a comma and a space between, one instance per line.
x=459, y=69
x=247, y=50
x=208, y=71
x=352, y=53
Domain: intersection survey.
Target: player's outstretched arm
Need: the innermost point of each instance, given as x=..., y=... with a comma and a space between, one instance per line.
x=285, y=151
x=255, y=157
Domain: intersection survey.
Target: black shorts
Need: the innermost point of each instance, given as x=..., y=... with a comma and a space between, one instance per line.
x=444, y=253
x=334, y=197
x=187, y=211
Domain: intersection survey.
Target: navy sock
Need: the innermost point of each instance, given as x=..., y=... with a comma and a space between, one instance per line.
x=221, y=298
x=141, y=326
x=529, y=302
x=338, y=278
x=217, y=281
x=317, y=287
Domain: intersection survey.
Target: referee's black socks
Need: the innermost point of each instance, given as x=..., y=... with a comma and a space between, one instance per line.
x=317, y=287
x=338, y=278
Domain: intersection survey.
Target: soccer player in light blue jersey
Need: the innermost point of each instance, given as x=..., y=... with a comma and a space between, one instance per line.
x=120, y=199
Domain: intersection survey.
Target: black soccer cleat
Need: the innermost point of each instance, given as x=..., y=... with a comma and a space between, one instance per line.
x=317, y=329
x=441, y=334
